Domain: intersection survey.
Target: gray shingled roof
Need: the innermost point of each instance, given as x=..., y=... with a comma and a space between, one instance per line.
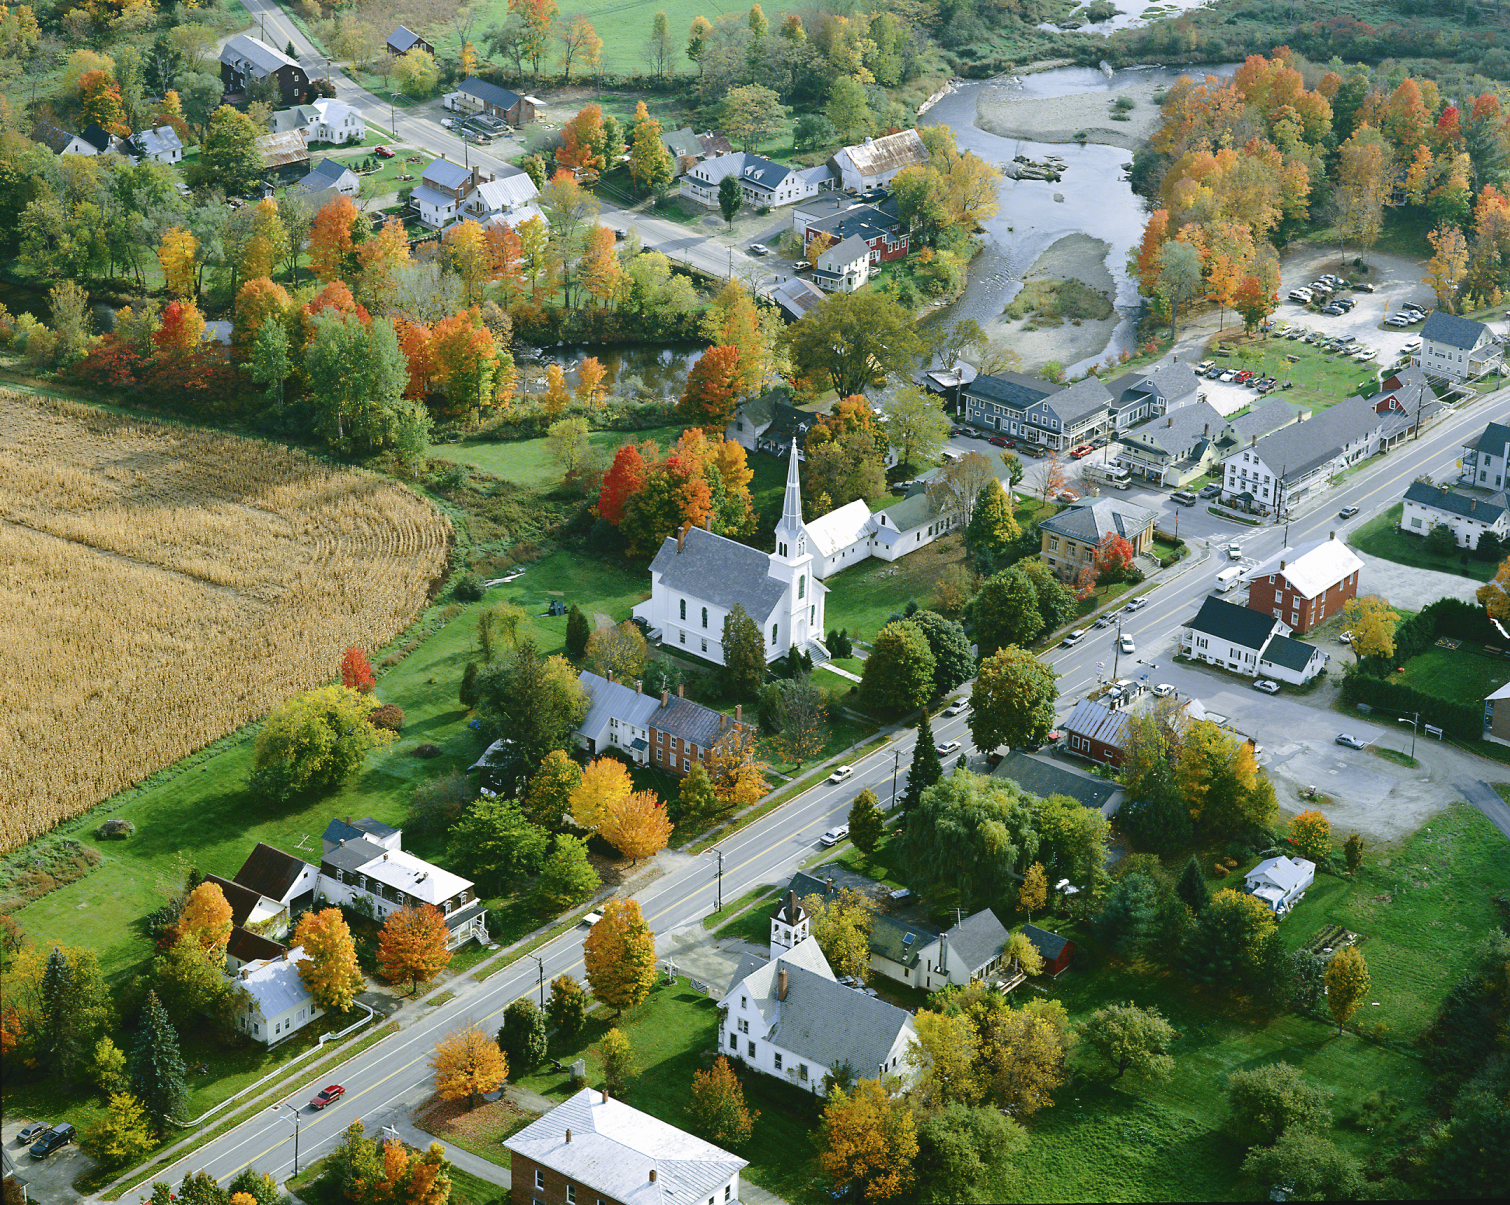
x=829, y=1023
x=977, y=939
x=1044, y=778
x=403, y=38
x=441, y=173
x=1265, y=419
x=1290, y=653
x=357, y=830
x=1231, y=622
x=1012, y=389
x=682, y=144
x=1175, y=433
x=326, y=172
x=888, y=938
x=1492, y=439
x=244, y=46
x=865, y=220
x=354, y=854
x=1083, y=398
x=1050, y=945
x=1090, y=519
x=488, y=93
x=722, y=571
x=690, y=721
x=1442, y=327
x=1295, y=450
x=1483, y=509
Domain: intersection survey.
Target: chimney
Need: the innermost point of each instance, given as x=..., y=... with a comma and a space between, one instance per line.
x=781, y=984
x=652, y=1175
x=343, y=840
x=1205, y=428
x=610, y=675
x=385, y=857
x=245, y=974
x=708, y=521
x=1170, y=423
x=348, y=819
x=1281, y=566
x=681, y=536
x=639, y=687
x=1331, y=535
x=605, y=1096
x=665, y=697
x=568, y=1135
x=679, y=689
x=739, y=713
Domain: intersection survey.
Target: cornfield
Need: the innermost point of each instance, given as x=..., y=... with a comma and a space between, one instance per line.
x=161, y=586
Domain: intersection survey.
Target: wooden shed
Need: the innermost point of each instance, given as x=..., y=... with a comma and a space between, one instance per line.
x=1055, y=950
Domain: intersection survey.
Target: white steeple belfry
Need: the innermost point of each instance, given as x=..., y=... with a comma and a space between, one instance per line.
x=791, y=535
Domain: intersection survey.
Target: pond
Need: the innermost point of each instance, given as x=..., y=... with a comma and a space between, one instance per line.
x=649, y=370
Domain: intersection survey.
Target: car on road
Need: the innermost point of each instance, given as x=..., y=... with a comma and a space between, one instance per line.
x=1082, y=451
x=800, y=265
x=1073, y=639
x=1351, y=741
x=382, y=152
x=1137, y=604
x=1183, y=497
x=1210, y=491
x=959, y=707
x=841, y=774
x=758, y=249
x=60, y=1135
x=1163, y=690
x=999, y=440
x=326, y=1095
x=945, y=748
x=1107, y=620
x=834, y=835
x=590, y=919
x=32, y=1132
x=1234, y=552
x=974, y=434
x=1267, y=685
x=1347, y=512
x=1345, y=637
x=1126, y=645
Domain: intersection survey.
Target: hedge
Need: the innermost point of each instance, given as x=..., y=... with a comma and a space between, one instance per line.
x=1450, y=617
x=1465, y=721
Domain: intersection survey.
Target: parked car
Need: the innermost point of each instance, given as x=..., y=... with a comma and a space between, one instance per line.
x=1214, y=371
x=1228, y=376
x=834, y=835
x=841, y=774
x=1398, y=320
x=945, y=748
x=1347, y=512
x=1244, y=376
x=382, y=152
x=1073, y=639
x=1411, y=345
x=1414, y=307
x=959, y=707
x=800, y=265
x=1351, y=741
x=1081, y=451
x=1204, y=366
x=326, y=1095
x=32, y=1132
x=60, y=1135
x=1210, y=491
x=1267, y=685
x=1362, y=286
x=758, y=249
x=1126, y=645
x=999, y=440
x=1345, y=637
x=1163, y=690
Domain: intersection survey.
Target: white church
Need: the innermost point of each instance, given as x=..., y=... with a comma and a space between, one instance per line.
x=697, y=578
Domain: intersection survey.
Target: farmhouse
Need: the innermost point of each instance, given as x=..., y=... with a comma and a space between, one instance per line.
x=769, y=422
x=1280, y=882
x=1456, y=348
x=246, y=60
x=1056, y=951
x=873, y=163
x=330, y=174
x=322, y=120
x=791, y=1019
x=1249, y=642
x=504, y=200
x=697, y=578
x=1305, y=587
x=1486, y=458
x=761, y=181
x=592, y=1147
x=62, y=142
x=161, y=144
x=443, y=186
x=879, y=226
x=282, y=878
x=403, y=40
x=1069, y=539
x=971, y=951
x=678, y=730
x=277, y=1002
x=1096, y=731
x=1467, y=516
x=844, y=267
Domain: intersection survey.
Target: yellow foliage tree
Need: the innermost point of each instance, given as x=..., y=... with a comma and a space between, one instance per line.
x=1034, y=892
x=1311, y=834
x=868, y=1138
x=206, y=918
x=842, y=927
x=1347, y=982
x=1373, y=625
x=470, y=256
x=329, y=966
x=1020, y=950
x=738, y=774
x=604, y=783
x=944, y=1055
x=1494, y=596
x=619, y=955
x=590, y=374
x=556, y=394
x=1446, y=269
x=637, y=825
x=176, y=255
x=468, y=1063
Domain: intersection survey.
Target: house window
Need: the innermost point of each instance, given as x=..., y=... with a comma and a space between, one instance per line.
x=1279, y=595
x=744, y=1002
x=571, y=1194
x=684, y=608
x=752, y=1049
x=681, y=637
x=733, y=1041
x=539, y=1178
x=778, y=1061
x=686, y=765
x=705, y=646
x=802, y=1075
x=774, y=627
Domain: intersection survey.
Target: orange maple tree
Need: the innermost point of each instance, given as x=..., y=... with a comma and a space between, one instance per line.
x=506, y=254
x=256, y=301
x=582, y=141
x=412, y=945
x=637, y=825
x=468, y=1063
x=206, y=918
x=180, y=330
x=356, y=671
x=100, y=98
x=625, y=478
x=712, y=389
x=329, y=966
x=330, y=238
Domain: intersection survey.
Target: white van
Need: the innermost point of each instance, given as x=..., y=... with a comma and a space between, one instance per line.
x=1227, y=579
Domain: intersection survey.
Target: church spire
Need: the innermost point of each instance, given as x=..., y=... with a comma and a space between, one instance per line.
x=791, y=506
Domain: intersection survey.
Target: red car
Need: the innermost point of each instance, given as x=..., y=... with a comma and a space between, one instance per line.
x=1243, y=377
x=999, y=440
x=1082, y=450
x=382, y=152
x=326, y=1095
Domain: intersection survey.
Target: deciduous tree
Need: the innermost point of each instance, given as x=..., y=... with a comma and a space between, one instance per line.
x=1264, y=1102
x=567, y=1007
x=468, y=1064
x=960, y=1145
x=567, y=878
x=1347, y=983
x=841, y=925
x=1034, y=892
x=718, y=1107
x=580, y=44
x=1133, y=1039
x=1352, y=850
x=206, y=919
x=1012, y=702
x=1223, y=949
x=495, y=840
x=869, y=1138
x=1311, y=834
x=548, y=800
x=412, y=945
x=619, y=652
x=332, y=245
x=122, y=1135
x=356, y=671
x=650, y=163
x=712, y=389
x=737, y=772
x=943, y=1057
x=313, y=742
x=637, y=825
x=855, y=340
x=898, y=673
x=329, y=967
x=617, y=1056
x=1373, y=624
x=604, y=783
x=619, y=955
x=1313, y=1165
x=176, y=255
x=750, y=113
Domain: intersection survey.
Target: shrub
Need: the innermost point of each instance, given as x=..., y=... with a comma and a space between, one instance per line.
x=1230, y=863
x=117, y=828
x=389, y=716
x=468, y=588
x=427, y=750
x=1220, y=871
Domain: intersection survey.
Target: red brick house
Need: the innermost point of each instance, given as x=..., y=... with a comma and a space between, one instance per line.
x=1308, y=587
x=669, y=733
x=682, y=732
x=880, y=227
x=594, y=1150
x=1055, y=950
x=1095, y=731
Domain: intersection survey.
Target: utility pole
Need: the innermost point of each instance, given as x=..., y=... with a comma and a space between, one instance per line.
x=1117, y=656
x=895, y=770
x=294, y=1114
x=541, y=965
x=720, y=892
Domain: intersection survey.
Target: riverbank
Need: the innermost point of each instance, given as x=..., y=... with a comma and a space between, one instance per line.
x=1077, y=257
x=1007, y=111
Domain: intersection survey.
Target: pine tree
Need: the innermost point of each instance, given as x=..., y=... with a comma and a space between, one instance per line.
x=57, y=992
x=866, y=824
x=926, y=767
x=577, y=632
x=522, y=1035
x=1192, y=887
x=157, y=1068
x=467, y=695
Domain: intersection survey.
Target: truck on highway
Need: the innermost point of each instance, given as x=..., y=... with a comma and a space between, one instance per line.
x=1227, y=579
x=1114, y=475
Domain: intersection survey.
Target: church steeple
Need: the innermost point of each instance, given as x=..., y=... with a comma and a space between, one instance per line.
x=791, y=538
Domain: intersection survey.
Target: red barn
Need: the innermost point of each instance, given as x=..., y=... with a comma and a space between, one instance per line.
x=1095, y=731
x=1056, y=951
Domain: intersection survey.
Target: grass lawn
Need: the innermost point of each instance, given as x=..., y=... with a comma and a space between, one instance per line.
x=675, y=1033
x=1456, y=674
x=715, y=920
x=314, y=1187
x=842, y=732
x=1381, y=536
x=1321, y=380
x=884, y=866
x=527, y=462
x=861, y=599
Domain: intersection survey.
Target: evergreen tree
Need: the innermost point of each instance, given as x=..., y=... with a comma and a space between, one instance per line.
x=926, y=767
x=577, y=632
x=866, y=824
x=1129, y=921
x=468, y=693
x=1160, y=821
x=522, y=1036
x=744, y=654
x=772, y=710
x=157, y=1068
x=57, y=991
x=1192, y=887
x=75, y=1009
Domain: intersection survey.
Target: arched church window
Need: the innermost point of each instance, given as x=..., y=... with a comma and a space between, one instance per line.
x=802, y=586
x=774, y=626
x=705, y=617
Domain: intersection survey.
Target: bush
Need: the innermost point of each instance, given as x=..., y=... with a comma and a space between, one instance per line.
x=468, y=588
x=389, y=716
x=1220, y=871
x=427, y=750
x=117, y=828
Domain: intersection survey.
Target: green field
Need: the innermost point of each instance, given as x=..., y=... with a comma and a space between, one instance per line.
x=1458, y=674
x=527, y=462
x=1381, y=536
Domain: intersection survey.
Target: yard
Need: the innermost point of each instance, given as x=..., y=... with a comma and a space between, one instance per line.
x=1462, y=675
x=1381, y=536
x=528, y=463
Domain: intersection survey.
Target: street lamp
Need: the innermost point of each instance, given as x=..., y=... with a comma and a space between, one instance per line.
x=1412, y=722
x=392, y=114
x=294, y=1111
x=720, y=854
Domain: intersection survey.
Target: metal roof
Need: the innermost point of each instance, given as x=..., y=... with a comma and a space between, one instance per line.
x=280, y=150
x=403, y=39
x=277, y=987
x=1295, y=450
x=442, y=173
x=1097, y=722
x=796, y=296
x=876, y=156
x=839, y=528
x=1315, y=569
x=613, y=700
x=160, y=140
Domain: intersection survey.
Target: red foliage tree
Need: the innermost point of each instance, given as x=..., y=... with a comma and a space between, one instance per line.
x=625, y=478
x=356, y=671
x=256, y=301
x=712, y=388
x=112, y=365
x=180, y=329
x=1114, y=557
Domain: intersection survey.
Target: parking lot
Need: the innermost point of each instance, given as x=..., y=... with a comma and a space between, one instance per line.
x=50, y=1179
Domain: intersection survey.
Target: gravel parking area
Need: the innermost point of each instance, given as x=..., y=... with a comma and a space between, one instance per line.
x=49, y=1180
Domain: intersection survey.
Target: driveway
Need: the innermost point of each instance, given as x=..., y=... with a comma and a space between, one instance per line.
x=48, y=1180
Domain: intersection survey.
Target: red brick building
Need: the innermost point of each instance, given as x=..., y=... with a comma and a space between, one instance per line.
x=1307, y=587
x=594, y=1150
x=682, y=732
x=1095, y=731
